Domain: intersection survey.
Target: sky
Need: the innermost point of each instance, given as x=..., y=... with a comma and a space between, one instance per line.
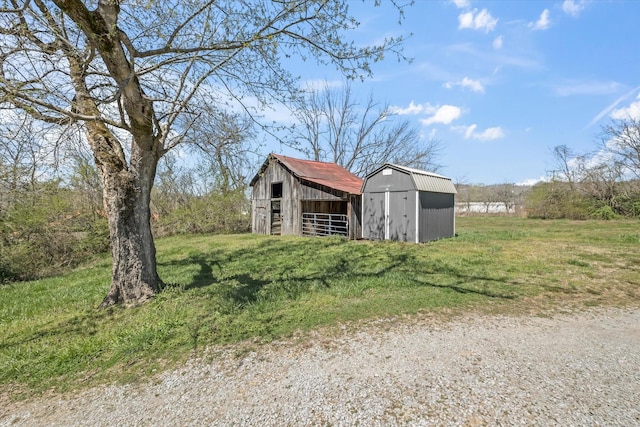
x=500, y=83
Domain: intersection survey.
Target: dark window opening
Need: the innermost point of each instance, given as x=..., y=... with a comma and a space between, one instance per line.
x=276, y=190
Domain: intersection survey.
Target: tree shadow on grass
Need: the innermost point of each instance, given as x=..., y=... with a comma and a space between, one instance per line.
x=460, y=288
x=464, y=282
x=204, y=277
x=243, y=274
x=270, y=269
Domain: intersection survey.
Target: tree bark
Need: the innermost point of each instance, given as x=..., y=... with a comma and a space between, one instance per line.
x=134, y=277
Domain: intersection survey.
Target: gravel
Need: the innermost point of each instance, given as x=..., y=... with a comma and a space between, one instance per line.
x=579, y=369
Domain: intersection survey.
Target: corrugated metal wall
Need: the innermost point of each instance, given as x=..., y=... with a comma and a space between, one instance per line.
x=437, y=216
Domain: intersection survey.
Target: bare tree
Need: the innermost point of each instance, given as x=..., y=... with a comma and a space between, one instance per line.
x=127, y=71
x=23, y=154
x=507, y=195
x=226, y=145
x=621, y=139
x=602, y=182
x=564, y=167
x=335, y=127
x=489, y=197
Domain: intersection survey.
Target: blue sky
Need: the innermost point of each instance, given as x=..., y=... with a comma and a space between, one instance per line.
x=500, y=83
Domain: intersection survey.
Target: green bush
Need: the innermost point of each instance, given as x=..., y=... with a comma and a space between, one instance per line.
x=555, y=200
x=604, y=212
x=216, y=212
x=629, y=206
x=42, y=233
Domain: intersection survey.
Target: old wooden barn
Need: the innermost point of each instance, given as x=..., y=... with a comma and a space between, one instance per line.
x=410, y=205
x=303, y=197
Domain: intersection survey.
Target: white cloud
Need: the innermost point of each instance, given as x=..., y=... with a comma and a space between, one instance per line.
x=589, y=161
x=461, y=4
x=543, y=22
x=468, y=131
x=573, y=8
x=411, y=109
x=488, y=134
x=497, y=42
x=444, y=114
x=477, y=20
x=473, y=85
x=630, y=112
x=532, y=181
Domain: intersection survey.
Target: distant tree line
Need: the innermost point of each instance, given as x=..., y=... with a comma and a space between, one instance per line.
x=506, y=198
x=601, y=185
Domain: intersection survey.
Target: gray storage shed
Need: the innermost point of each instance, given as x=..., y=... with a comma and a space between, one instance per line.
x=406, y=204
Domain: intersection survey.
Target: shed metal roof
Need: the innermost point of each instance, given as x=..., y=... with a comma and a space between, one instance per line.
x=328, y=174
x=423, y=180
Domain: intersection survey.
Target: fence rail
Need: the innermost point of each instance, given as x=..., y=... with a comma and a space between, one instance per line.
x=321, y=224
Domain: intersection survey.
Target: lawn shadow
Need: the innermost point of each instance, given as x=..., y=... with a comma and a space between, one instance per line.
x=270, y=269
x=204, y=277
x=459, y=288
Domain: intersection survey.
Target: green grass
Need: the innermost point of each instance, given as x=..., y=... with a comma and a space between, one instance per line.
x=226, y=289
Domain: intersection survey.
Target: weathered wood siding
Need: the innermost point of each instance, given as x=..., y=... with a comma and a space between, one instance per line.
x=355, y=215
x=298, y=197
x=313, y=191
x=289, y=202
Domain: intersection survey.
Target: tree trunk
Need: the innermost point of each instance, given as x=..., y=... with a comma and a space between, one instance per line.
x=134, y=278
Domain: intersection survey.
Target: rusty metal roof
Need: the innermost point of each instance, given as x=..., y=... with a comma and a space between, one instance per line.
x=328, y=174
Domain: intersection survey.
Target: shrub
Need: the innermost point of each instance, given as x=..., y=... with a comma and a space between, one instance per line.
x=604, y=212
x=555, y=200
x=42, y=234
x=215, y=212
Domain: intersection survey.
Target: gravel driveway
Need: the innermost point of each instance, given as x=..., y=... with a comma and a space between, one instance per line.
x=580, y=369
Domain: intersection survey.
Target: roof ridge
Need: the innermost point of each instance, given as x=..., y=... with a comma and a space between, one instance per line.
x=418, y=171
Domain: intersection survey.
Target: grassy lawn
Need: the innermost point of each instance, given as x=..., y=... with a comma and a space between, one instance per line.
x=225, y=289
